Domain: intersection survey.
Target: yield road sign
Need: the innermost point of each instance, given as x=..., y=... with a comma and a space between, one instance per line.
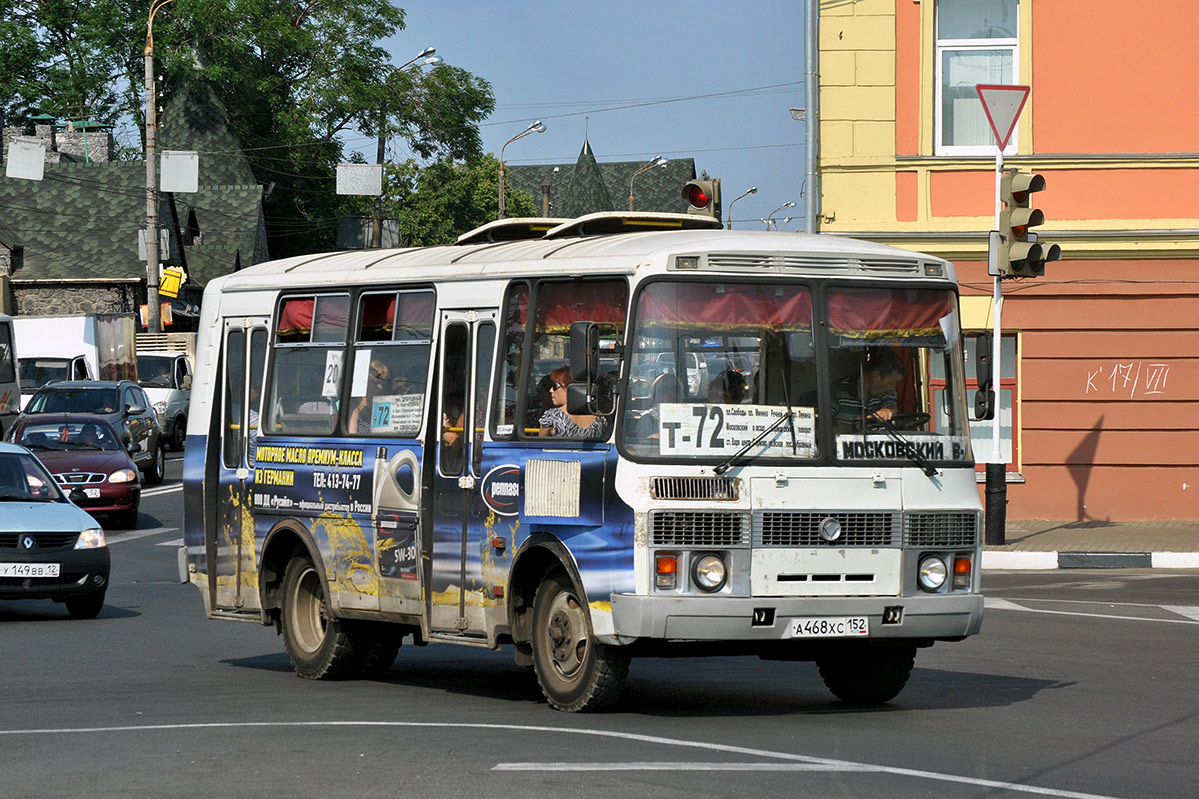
x=1002, y=105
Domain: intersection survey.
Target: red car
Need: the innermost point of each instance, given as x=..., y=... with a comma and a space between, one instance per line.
x=89, y=462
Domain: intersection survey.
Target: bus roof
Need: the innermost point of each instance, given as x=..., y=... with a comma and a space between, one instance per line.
x=500, y=251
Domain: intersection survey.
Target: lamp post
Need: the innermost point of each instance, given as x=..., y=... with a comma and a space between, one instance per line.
x=656, y=161
x=153, y=312
x=770, y=219
x=536, y=127
x=377, y=224
x=728, y=224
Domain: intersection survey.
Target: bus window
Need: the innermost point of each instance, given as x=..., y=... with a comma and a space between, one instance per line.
x=393, y=336
x=516, y=309
x=558, y=305
x=235, y=386
x=306, y=373
x=453, y=399
x=484, y=352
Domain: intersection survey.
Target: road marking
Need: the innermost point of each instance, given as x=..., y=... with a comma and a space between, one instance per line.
x=685, y=765
x=1006, y=604
x=1190, y=612
x=154, y=492
x=788, y=758
x=133, y=535
x=174, y=542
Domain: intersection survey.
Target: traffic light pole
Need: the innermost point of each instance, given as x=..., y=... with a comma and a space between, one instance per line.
x=996, y=487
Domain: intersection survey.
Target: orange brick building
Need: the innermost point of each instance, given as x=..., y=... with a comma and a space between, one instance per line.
x=1101, y=354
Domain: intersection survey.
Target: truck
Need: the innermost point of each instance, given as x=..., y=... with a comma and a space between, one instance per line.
x=79, y=347
x=164, y=370
x=10, y=392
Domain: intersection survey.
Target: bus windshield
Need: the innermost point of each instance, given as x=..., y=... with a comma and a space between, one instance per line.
x=722, y=370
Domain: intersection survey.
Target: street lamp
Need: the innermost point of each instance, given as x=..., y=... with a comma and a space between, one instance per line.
x=536, y=127
x=770, y=219
x=153, y=312
x=729, y=221
x=430, y=59
x=656, y=161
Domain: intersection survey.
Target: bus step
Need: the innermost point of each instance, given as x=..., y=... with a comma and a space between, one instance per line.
x=237, y=615
x=468, y=640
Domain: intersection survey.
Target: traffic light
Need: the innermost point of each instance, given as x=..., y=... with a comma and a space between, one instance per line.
x=1020, y=254
x=703, y=197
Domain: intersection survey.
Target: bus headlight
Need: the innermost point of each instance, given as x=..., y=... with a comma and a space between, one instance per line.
x=932, y=573
x=708, y=572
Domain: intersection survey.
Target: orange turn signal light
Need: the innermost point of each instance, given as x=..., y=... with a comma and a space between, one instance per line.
x=666, y=564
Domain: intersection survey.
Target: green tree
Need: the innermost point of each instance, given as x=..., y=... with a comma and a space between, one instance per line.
x=436, y=203
x=296, y=76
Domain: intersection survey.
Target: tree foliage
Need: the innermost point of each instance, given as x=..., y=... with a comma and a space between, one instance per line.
x=296, y=77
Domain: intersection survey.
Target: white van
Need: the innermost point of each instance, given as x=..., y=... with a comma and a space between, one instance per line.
x=167, y=380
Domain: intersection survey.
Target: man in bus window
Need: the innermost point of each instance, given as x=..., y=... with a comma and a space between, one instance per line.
x=872, y=392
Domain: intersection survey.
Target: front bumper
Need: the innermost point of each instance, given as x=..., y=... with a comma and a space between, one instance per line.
x=78, y=571
x=709, y=618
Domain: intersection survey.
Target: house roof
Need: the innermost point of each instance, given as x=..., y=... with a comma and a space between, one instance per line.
x=588, y=186
x=80, y=222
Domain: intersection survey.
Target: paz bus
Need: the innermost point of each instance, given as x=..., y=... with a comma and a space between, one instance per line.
x=505, y=442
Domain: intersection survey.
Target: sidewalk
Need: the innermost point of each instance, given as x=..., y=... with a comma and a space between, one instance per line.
x=1096, y=545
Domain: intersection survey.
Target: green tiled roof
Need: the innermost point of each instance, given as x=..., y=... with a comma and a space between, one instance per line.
x=194, y=119
x=81, y=221
x=588, y=186
x=230, y=225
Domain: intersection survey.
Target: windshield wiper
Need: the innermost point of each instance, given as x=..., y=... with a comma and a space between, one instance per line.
x=909, y=450
x=731, y=461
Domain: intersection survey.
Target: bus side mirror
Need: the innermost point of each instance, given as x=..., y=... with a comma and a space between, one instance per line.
x=584, y=352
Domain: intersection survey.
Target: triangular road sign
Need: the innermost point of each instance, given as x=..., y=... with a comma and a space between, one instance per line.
x=1002, y=105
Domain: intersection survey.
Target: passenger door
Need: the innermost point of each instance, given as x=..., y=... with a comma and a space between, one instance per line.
x=459, y=594
x=233, y=577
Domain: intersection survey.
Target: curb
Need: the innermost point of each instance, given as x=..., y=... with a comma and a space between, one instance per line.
x=1043, y=561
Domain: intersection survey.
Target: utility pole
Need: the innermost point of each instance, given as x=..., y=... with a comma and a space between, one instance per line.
x=812, y=116
x=153, y=311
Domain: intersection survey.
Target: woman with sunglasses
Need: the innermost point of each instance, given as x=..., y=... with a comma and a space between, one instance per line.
x=557, y=421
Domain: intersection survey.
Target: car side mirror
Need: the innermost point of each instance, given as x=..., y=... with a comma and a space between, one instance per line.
x=134, y=410
x=186, y=383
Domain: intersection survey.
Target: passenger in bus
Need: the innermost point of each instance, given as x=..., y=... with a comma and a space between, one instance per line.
x=666, y=388
x=729, y=388
x=376, y=385
x=872, y=393
x=557, y=421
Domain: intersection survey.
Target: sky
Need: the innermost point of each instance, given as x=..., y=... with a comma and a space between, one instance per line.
x=713, y=81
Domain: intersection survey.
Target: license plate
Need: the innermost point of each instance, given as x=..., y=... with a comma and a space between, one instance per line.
x=830, y=627
x=29, y=569
x=91, y=493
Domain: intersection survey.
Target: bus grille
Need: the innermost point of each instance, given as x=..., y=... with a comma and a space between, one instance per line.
x=696, y=488
x=802, y=529
x=941, y=529
x=698, y=529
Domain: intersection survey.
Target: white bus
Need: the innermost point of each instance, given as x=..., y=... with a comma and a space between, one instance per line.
x=486, y=444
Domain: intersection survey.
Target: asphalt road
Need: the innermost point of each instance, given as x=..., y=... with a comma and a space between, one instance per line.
x=1082, y=684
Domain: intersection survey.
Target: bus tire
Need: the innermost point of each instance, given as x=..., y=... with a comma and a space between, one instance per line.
x=575, y=673
x=871, y=676
x=379, y=644
x=319, y=646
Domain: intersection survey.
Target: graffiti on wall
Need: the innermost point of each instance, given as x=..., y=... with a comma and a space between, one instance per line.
x=1132, y=379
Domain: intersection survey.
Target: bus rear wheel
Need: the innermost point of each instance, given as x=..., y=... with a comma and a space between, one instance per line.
x=575, y=673
x=871, y=676
x=318, y=645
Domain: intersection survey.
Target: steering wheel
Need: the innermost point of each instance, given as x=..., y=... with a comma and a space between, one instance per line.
x=910, y=421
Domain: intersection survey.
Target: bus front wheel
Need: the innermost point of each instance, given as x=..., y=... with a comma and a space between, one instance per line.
x=318, y=645
x=575, y=672
x=868, y=676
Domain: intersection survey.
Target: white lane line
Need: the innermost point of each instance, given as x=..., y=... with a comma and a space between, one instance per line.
x=845, y=765
x=1191, y=612
x=174, y=542
x=1003, y=604
x=133, y=535
x=154, y=492
x=685, y=765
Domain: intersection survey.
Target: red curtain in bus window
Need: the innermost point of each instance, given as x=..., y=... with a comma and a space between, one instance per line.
x=721, y=306
x=559, y=305
x=414, y=316
x=295, y=318
x=889, y=314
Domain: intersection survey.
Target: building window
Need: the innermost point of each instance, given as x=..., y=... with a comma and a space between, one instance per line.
x=981, y=431
x=976, y=43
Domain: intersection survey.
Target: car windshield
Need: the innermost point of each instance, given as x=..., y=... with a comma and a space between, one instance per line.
x=37, y=372
x=22, y=479
x=68, y=435
x=154, y=371
x=98, y=399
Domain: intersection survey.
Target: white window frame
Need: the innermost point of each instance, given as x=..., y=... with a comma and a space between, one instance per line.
x=943, y=46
